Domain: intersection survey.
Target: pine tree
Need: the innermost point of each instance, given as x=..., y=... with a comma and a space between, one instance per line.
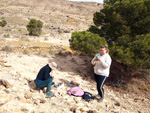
x=120, y=22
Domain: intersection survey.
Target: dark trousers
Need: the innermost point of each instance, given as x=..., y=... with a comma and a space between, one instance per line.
x=100, y=82
x=45, y=83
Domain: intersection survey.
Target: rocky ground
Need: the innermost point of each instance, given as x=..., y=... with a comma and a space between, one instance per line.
x=18, y=92
x=21, y=57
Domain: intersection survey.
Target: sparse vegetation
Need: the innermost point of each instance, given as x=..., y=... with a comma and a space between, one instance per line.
x=45, y=38
x=6, y=36
x=7, y=49
x=35, y=27
x=3, y=23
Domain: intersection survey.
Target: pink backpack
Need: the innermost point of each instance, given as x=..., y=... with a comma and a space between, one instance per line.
x=76, y=91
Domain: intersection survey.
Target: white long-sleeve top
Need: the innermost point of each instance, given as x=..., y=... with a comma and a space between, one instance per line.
x=102, y=67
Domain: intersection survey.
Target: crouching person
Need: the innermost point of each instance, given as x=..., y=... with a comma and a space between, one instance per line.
x=45, y=79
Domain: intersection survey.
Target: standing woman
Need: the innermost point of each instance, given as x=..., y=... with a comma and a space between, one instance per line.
x=102, y=62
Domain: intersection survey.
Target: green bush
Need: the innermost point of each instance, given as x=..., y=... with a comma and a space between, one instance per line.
x=94, y=30
x=35, y=27
x=141, y=49
x=135, y=53
x=86, y=42
x=3, y=23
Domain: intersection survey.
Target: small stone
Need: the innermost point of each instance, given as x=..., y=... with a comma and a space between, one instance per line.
x=77, y=100
x=42, y=101
x=24, y=110
x=75, y=83
x=81, y=109
x=7, y=90
x=33, y=90
x=5, y=83
x=117, y=104
x=91, y=111
x=7, y=65
x=73, y=109
x=28, y=95
x=19, y=79
x=25, y=101
x=140, y=112
x=93, y=88
x=36, y=102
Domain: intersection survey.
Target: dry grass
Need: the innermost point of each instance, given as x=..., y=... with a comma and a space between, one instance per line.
x=138, y=86
x=24, y=43
x=26, y=47
x=14, y=20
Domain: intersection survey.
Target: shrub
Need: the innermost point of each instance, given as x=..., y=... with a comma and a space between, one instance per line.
x=86, y=42
x=134, y=53
x=3, y=23
x=6, y=36
x=7, y=49
x=35, y=27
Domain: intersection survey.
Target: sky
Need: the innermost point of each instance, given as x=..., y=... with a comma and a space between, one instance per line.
x=98, y=1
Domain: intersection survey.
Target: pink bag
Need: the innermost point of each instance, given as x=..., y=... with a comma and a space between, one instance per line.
x=76, y=91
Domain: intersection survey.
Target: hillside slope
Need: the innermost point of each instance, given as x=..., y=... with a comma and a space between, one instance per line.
x=21, y=57
x=60, y=17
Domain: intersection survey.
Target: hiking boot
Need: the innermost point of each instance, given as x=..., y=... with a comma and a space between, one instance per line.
x=101, y=99
x=50, y=94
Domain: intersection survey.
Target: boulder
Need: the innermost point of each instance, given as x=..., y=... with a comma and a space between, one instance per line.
x=5, y=83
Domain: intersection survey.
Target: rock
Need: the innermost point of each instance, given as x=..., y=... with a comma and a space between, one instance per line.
x=5, y=83
x=1, y=104
x=93, y=88
x=91, y=111
x=7, y=90
x=37, y=102
x=7, y=65
x=35, y=97
x=77, y=100
x=33, y=90
x=32, y=84
x=82, y=110
x=140, y=112
x=20, y=79
x=28, y=95
x=25, y=101
x=25, y=110
x=117, y=104
x=73, y=109
x=75, y=83
x=42, y=101
x=14, y=89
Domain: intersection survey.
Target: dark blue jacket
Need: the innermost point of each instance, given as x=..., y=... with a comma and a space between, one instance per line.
x=44, y=73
